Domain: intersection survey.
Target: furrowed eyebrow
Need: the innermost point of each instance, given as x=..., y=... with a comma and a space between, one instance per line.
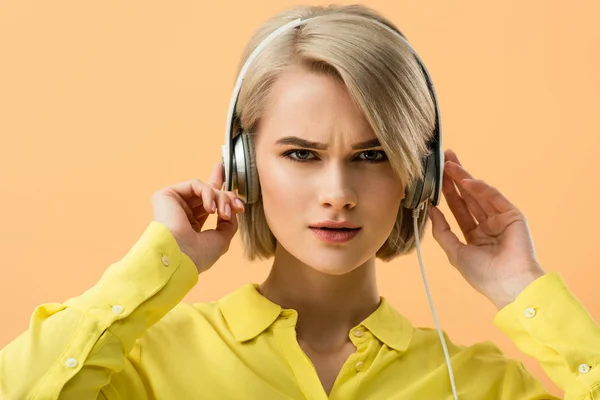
x=296, y=141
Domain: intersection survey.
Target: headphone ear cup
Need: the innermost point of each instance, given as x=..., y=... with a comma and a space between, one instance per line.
x=422, y=189
x=246, y=173
x=413, y=194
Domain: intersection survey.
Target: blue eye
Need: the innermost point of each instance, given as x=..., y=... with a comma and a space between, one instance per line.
x=302, y=155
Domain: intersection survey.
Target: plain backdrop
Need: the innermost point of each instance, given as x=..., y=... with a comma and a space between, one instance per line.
x=102, y=103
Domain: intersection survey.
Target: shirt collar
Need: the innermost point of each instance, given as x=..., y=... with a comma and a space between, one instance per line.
x=389, y=326
x=248, y=313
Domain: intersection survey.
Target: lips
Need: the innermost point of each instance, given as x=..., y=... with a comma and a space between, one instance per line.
x=331, y=224
x=335, y=236
x=336, y=229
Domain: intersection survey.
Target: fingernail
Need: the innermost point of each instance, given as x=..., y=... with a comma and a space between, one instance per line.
x=214, y=206
x=239, y=203
x=227, y=210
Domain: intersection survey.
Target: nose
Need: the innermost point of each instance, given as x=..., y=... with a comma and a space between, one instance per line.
x=336, y=188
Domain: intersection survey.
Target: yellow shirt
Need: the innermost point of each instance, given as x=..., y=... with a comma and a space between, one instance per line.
x=130, y=337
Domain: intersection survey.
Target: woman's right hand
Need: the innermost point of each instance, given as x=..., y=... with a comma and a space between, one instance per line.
x=184, y=207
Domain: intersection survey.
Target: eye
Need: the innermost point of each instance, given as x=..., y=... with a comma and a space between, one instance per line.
x=374, y=156
x=301, y=155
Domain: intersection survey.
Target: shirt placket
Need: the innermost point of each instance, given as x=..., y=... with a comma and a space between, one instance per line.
x=284, y=331
x=355, y=366
x=305, y=372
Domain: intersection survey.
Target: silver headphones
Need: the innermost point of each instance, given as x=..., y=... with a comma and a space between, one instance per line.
x=237, y=153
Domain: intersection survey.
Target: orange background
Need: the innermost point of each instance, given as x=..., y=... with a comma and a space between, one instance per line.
x=102, y=103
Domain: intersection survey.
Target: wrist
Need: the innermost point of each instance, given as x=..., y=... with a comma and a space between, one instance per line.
x=511, y=288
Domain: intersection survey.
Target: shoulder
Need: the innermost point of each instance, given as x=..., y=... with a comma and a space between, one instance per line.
x=482, y=360
x=486, y=352
x=186, y=322
x=424, y=339
x=190, y=316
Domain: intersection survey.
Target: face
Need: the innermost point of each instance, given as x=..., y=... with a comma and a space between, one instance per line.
x=331, y=179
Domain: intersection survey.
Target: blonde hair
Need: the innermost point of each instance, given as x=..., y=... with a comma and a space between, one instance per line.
x=383, y=78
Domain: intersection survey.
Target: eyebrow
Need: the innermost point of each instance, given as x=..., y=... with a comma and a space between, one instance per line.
x=296, y=141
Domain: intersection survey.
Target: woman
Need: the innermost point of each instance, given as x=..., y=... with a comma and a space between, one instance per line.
x=335, y=143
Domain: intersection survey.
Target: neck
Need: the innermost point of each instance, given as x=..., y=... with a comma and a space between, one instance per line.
x=328, y=306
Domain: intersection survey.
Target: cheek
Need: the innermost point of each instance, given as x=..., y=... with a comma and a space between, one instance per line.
x=280, y=193
x=382, y=198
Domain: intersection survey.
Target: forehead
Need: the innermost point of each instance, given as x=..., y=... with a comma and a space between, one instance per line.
x=313, y=106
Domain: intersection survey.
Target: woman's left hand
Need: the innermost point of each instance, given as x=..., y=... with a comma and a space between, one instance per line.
x=498, y=259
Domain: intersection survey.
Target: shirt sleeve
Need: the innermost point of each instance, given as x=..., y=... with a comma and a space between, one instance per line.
x=70, y=350
x=546, y=321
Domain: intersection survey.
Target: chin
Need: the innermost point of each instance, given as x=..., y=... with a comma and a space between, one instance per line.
x=328, y=259
x=332, y=264
x=333, y=271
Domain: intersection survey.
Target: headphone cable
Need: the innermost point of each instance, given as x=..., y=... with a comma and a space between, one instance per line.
x=415, y=214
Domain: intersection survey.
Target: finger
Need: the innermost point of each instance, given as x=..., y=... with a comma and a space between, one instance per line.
x=201, y=214
x=223, y=204
x=481, y=189
x=227, y=227
x=209, y=200
x=481, y=210
x=442, y=233
x=236, y=202
x=216, y=176
x=188, y=211
x=190, y=191
x=458, y=207
x=450, y=155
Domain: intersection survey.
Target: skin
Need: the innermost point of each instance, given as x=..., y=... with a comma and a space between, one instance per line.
x=337, y=183
x=334, y=184
x=333, y=287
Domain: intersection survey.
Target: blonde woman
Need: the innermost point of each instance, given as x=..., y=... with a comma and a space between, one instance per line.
x=340, y=115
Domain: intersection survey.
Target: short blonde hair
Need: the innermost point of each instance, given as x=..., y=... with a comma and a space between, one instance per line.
x=383, y=78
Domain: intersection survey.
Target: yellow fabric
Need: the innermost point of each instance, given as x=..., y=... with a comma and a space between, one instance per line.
x=244, y=346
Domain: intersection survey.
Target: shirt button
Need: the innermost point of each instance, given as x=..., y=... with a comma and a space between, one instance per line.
x=584, y=368
x=117, y=309
x=360, y=365
x=71, y=362
x=165, y=261
x=358, y=332
x=530, y=313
